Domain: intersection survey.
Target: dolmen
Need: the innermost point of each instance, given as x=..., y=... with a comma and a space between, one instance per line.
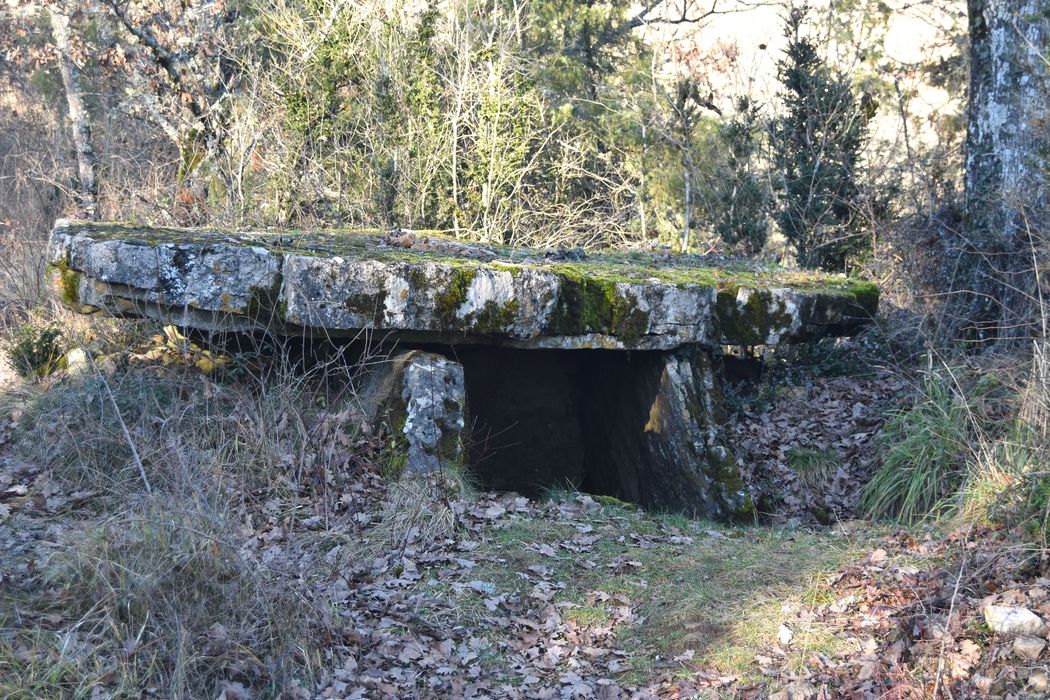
x=531, y=369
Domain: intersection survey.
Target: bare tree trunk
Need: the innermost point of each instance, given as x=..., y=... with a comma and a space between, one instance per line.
x=642, y=183
x=1007, y=147
x=687, y=225
x=78, y=116
x=1009, y=105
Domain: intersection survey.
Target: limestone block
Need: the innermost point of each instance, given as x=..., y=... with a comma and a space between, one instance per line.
x=420, y=398
x=439, y=290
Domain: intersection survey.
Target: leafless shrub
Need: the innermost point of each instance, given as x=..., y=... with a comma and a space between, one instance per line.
x=30, y=198
x=170, y=585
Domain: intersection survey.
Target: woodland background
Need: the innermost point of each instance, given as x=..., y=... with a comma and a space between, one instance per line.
x=176, y=523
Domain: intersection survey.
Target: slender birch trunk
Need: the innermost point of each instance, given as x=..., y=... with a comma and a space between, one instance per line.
x=78, y=115
x=687, y=225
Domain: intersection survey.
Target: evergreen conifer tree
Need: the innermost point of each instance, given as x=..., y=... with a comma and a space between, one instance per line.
x=816, y=154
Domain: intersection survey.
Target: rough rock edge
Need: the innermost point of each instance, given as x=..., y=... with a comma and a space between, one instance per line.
x=216, y=281
x=419, y=399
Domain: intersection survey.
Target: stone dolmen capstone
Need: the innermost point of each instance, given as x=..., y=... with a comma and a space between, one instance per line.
x=531, y=368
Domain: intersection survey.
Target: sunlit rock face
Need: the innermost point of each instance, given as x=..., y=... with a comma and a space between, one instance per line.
x=434, y=288
x=419, y=400
x=534, y=342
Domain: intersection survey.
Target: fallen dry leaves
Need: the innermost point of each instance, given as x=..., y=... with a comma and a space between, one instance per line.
x=429, y=618
x=907, y=622
x=837, y=416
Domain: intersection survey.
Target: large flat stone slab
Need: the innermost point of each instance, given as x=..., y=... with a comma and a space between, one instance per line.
x=430, y=288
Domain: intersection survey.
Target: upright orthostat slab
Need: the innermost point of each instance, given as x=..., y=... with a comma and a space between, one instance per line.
x=642, y=426
x=431, y=287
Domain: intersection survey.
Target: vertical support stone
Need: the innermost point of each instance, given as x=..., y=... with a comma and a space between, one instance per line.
x=655, y=437
x=433, y=392
x=421, y=398
x=684, y=433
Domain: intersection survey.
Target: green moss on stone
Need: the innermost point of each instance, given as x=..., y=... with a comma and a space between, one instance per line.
x=67, y=282
x=584, y=306
x=494, y=318
x=450, y=451
x=589, y=304
x=600, y=266
x=371, y=306
x=866, y=295
x=727, y=480
x=417, y=279
x=454, y=293
x=751, y=323
x=629, y=322
x=746, y=511
x=514, y=270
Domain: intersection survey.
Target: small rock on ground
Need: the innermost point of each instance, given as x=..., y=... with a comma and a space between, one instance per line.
x=1009, y=620
x=1038, y=682
x=1029, y=647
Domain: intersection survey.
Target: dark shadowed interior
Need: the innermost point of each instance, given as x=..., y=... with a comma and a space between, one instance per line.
x=570, y=418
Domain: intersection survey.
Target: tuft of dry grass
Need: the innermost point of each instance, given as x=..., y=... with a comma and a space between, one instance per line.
x=419, y=509
x=167, y=587
x=171, y=586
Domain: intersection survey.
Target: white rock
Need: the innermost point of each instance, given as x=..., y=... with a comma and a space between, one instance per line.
x=76, y=362
x=482, y=587
x=1010, y=621
x=1038, y=682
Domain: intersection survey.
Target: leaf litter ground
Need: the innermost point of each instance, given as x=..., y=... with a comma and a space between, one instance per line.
x=574, y=596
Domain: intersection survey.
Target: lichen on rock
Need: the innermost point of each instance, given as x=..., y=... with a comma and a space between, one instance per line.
x=435, y=412
x=419, y=399
x=344, y=282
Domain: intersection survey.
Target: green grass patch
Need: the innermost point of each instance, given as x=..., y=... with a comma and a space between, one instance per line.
x=721, y=595
x=587, y=616
x=924, y=452
x=813, y=465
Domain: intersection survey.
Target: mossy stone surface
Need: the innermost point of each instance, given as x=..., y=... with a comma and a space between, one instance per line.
x=635, y=267
x=427, y=283
x=454, y=293
x=66, y=281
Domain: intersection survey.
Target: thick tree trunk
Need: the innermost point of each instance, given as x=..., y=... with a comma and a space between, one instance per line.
x=78, y=116
x=1008, y=111
x=1007, y=156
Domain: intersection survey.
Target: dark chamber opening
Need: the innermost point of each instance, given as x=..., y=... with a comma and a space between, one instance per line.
x=592, y=420
x=549, y=418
